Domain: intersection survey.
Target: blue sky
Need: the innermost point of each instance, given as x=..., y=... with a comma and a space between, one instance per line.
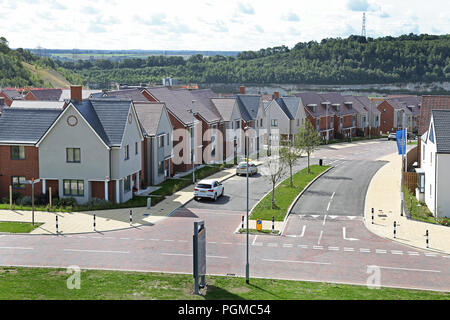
x=210, y=24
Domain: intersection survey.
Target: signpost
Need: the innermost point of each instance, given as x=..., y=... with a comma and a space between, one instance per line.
x=32, y=182
x=199, y=246
x=258, y=225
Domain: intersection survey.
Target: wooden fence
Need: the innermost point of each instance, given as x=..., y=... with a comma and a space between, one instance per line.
x=410, y=181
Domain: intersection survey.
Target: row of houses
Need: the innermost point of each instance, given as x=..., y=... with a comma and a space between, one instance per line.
x=111, y=144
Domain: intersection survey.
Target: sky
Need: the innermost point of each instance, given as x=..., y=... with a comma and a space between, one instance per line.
x=229, y=25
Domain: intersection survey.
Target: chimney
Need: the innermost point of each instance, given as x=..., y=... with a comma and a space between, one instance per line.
x=242, y=89
x=276, y=95
x=76, y=93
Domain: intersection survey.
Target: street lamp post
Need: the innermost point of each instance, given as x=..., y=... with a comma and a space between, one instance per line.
x=32, y=182
x=247, y=266
x=193, y=140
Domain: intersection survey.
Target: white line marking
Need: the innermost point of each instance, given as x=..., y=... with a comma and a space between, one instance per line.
x=303, y=246
x=380, y=251
x=408, y=269
x=365, y=250
x=153, y=239
x=318, y=248
x=272, y=245
x=212, y=242
x=413, y=253
x=303, y=231
x=253, y=243
x=332, y=196
x=292, y=261
x=190, y=255
x=349, y=249
x=328, y=207
x=18, y=248
x=96, y=251
x=169, y=240
x=320, y=237
x=344, y=232
x=258, y=244
x=324, y=219
x=396, y=252
x=287, y=245
x=184, y=241
x=333, y=248
x=227, y=243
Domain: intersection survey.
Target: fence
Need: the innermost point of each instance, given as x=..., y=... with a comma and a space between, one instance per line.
x=410, y=181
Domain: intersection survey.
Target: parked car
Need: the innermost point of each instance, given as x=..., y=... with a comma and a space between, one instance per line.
x=392, y=136
x=208, y=189
x=242, y=169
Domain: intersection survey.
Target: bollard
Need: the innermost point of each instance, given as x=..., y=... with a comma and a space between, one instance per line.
x=242, y=224
x=94, y=222
x=395, y=231
x=373, y=217
x=427, y=238
x=149, y=203
x=273, y=225
x=131, y=217
x=57, y=232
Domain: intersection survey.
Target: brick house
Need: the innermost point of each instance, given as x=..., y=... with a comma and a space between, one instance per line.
x=345, y=116
x=20, y=130
x=9, y=95
x=392, y=113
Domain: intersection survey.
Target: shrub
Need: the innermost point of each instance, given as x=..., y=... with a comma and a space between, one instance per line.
x=25, y=201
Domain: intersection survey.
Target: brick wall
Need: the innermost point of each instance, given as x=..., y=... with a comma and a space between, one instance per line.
x=8, y=101
x=28, y=168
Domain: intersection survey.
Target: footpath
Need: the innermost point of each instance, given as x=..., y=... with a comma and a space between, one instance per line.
x=384, y=197
x=108, y=220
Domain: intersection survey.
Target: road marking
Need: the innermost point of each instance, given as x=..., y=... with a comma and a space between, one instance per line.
x=169, y=240
x=287, y=245
x=153, y=239
x=349, y=249
x=272, y=245
x=380, y=251
x=190, y=255
x=325, y=218
x=411, y=253
x=318, y=248
x=227, y=243
x=96, y=251
x=344, y=232
x=396, y=252
x=258, y=244
x=332, y=196
x=351, y=217
x=320, y=237
x=18, y=248
x=333, y=248
x=303, y=246
x=303, y=231
x=182, y=241
x=294, y=261
x=407, y=269
x=364, y=250
x=328, y=207
x=253, y=243
x=124, y=238
x=212, y=242
x=430, y=254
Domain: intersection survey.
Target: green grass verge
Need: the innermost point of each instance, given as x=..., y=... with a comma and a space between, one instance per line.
x=18, y=227
x=5, y=206
x=43, y=284
x=285, y=195
x=262, y=232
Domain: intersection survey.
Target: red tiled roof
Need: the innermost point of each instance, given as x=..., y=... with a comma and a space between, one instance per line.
x=431, y=103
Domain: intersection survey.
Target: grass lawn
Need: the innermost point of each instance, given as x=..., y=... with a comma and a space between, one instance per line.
x=18, y=227
x=262, y=232
x=285, y=195
x=5, y=206
x=37, y=283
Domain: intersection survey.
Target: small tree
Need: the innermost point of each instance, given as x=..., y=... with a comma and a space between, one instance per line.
x=308, y=139
x=273, y=170
x=290, y=152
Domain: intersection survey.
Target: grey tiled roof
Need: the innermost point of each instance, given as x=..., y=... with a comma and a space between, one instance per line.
x=134, y=94
x=13, y=94
x=149, y=115
x=25, y=125
x=337, y=98
x=248, y=105
x=47, y=94
x=441, y=120
x=289, y=105
x=107, y=117
x=313, y=98
x=225, y=107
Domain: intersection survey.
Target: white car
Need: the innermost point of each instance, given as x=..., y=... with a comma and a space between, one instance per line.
x=209, y=189
x=242, y=169
x=392, y=136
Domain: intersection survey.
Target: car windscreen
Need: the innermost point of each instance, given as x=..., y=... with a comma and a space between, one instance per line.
x=204, y=186
x=242, y=165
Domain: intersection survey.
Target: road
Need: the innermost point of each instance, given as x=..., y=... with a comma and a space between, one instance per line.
x=325, y=239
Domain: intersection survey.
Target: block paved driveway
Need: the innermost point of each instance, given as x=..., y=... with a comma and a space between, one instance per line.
x=325, y=238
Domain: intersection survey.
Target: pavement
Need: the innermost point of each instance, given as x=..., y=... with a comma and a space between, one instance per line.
x=107, y=220
x=384, y=196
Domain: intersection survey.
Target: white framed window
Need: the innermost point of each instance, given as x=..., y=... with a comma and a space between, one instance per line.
x=274, y=123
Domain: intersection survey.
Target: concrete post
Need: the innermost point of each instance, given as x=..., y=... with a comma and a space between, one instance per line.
x=10, y=197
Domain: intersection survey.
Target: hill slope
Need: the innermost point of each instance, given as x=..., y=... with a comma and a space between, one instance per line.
x=49, y=76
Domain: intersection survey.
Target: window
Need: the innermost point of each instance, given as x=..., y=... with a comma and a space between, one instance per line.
x=18, y=182
x=423, y=153
x=161, y=167
x=73, y=155
x=127, y=184
x=127, y=152
x=238, y=124
x=298, y=122
x=161, y=141
x=74, y=188
x=168, y=138
x=421, y=182
x=274, y=123
x=17, y=153
x=136, y=146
